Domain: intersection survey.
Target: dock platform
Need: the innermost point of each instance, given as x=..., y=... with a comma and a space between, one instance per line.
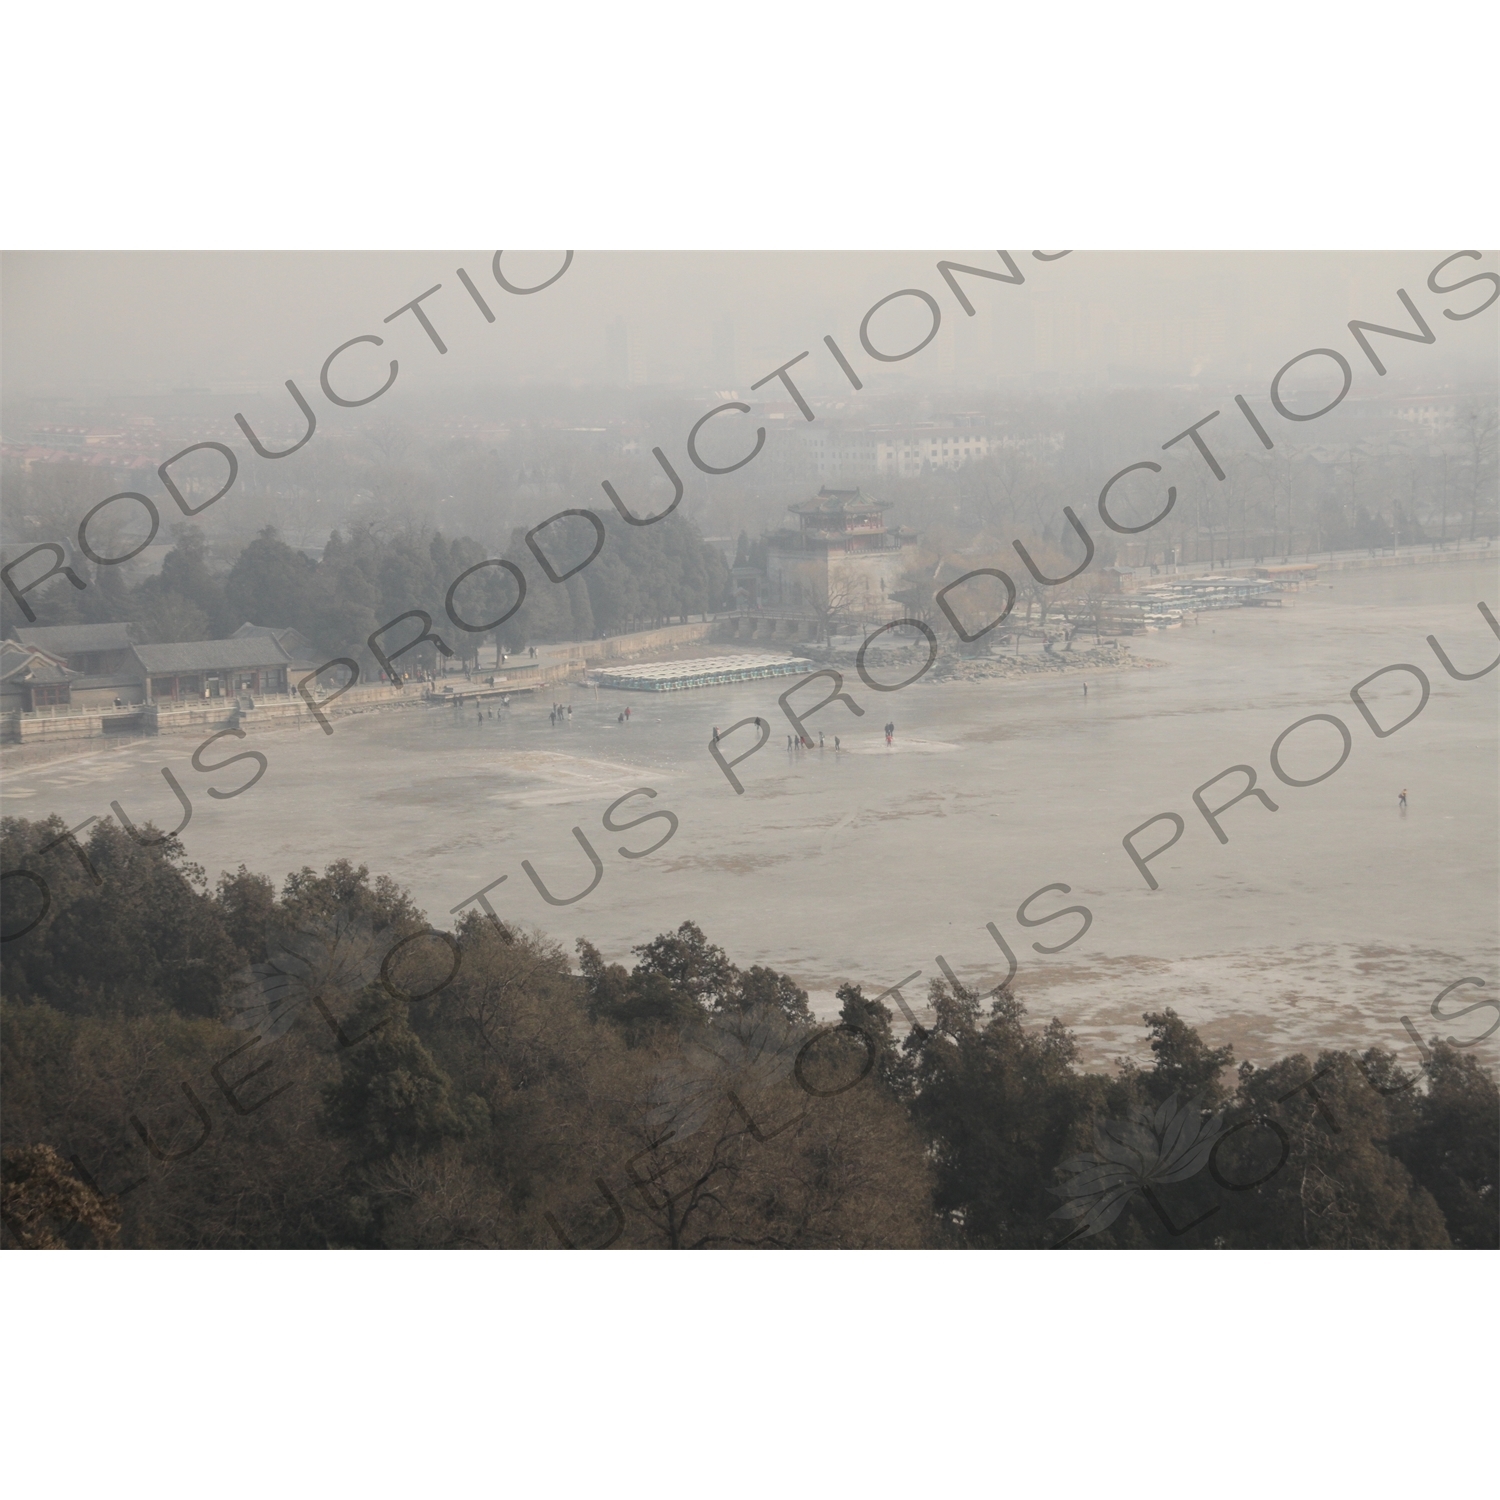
x=710, y=671
x=484, y=693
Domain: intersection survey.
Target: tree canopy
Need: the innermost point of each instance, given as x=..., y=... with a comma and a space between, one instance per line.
x=365, y=579
x=241, y=1064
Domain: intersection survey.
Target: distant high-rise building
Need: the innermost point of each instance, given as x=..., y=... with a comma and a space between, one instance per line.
x=722, y=357
x=617, y=353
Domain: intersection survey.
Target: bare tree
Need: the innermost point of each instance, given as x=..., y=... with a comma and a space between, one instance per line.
x=828, y=602
x=1245, y=483
x=1478, y=427
x=758, y=1162
x=1279, y=473
x=1044, y=597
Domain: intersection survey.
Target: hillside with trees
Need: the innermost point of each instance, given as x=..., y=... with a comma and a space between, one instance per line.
x=230, y=1064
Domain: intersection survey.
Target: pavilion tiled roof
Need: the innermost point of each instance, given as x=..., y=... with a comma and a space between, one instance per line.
x=29, y=665
x=64, y=640
x=291, y=640
x=206, y=656
x=837, y=502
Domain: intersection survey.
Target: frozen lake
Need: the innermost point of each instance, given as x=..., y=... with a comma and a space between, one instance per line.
x=1322, y=923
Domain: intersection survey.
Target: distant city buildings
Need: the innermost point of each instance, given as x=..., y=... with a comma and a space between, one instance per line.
x=111, y=448
x=1435, y=413
x=905, y=450
x=617, y=369
x=723, y=369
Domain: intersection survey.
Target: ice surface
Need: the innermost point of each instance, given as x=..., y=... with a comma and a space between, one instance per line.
x=1321, y=924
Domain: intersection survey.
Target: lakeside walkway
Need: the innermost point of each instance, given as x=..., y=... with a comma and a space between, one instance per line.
x=1413, y=554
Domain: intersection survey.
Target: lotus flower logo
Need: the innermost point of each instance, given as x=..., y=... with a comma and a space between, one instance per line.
x=303, y=967
x=1135, y=1156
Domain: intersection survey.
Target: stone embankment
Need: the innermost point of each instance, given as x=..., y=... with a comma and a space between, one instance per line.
x=664, y=639
x=1111, y=656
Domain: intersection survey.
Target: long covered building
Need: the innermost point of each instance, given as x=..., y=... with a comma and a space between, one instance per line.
x=187, y=670
x=62, y=668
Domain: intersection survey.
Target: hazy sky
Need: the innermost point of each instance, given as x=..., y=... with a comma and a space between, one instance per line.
x=88, y=324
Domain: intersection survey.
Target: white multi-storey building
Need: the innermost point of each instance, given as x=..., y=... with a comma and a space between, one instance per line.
x=851, y=452
x=905, y=450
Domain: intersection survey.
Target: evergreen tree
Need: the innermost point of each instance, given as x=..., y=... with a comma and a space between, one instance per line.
x=1451, y=1145
x=270, y=584
x=391, y=1097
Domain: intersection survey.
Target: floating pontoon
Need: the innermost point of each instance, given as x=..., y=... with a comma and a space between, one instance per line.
x=711, y=671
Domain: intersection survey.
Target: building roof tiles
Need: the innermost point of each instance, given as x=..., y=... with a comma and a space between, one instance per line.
x=207, y=656
x=66, y=639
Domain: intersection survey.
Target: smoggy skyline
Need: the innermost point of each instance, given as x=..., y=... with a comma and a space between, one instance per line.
x=86, y=325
